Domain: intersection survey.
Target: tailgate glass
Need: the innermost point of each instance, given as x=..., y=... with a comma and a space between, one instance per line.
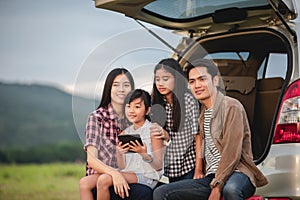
x=186, y=9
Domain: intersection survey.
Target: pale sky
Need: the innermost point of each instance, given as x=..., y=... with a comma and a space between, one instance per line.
x=71, y=44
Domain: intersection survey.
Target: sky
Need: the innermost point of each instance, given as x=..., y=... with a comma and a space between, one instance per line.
x=72, y=45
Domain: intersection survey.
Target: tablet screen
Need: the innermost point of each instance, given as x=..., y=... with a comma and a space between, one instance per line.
x=128, y=137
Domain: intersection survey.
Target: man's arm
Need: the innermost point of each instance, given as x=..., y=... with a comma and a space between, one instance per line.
x=232, y=142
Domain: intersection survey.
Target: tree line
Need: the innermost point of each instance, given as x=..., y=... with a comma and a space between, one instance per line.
x=60, y=152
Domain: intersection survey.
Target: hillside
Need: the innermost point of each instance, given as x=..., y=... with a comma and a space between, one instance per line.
x=32, y=115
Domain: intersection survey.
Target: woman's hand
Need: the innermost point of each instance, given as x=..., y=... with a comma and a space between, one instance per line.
x=158, y=132
x=198, y=174
x=121, y=186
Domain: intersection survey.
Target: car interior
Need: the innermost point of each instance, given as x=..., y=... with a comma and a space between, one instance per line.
x=244, y=61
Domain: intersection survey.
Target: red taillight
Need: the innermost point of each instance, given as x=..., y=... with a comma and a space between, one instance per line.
x=255, y=197
x=288, y=123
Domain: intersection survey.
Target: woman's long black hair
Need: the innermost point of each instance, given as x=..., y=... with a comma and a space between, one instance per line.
x=106, y=94
x=180, y=88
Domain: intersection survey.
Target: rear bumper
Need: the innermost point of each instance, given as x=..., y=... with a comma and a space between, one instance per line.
x=282, y=168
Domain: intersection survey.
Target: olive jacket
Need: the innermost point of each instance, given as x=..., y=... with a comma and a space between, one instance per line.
x=232, y=136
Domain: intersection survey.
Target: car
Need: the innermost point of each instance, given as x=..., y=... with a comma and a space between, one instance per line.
x=255, y=45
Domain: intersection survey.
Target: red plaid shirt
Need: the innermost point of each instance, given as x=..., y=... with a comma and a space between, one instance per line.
x=102, y=128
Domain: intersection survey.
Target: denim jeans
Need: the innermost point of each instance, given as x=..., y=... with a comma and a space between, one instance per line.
x=188, y=175
x=238, y=187
x=137, y=191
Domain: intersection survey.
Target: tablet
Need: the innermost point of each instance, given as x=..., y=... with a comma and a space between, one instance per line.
x=130, y=137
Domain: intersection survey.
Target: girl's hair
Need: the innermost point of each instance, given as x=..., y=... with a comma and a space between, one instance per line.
x=106, y=94
x=180, y=88
x=139, y=93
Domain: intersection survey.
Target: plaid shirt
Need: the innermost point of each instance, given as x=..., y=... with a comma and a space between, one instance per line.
x=180, y=157
x=102, y=128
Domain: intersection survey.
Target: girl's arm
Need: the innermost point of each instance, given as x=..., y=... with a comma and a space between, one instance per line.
x=156, y=161
x=157, y=149
x=199, y=160
x=121, y=157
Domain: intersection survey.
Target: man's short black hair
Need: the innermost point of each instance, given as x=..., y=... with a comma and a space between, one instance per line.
x=212, y=69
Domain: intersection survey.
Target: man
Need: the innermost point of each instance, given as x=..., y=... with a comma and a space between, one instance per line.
x=224, y=129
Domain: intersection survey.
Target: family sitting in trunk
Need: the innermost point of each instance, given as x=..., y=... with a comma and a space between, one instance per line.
x=203, y=145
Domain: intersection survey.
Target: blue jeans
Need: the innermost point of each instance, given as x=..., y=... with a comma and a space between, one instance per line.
x=237, y=187
x=137, y=191
x=188, y=175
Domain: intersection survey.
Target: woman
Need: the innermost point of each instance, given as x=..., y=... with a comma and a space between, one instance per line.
x=102, y=129
x=140, y=162
x=180, y=129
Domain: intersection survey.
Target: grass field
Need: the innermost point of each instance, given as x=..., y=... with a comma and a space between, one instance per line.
x=46, y=181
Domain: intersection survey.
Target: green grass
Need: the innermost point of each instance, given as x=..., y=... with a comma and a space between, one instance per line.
x=46, y=181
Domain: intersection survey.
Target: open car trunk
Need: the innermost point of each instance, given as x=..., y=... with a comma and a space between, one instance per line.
x=249, y=40
x=254, y=67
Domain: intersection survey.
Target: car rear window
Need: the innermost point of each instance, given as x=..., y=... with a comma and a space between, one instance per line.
x=186, y=9
x=275, y=65
x=228, y=55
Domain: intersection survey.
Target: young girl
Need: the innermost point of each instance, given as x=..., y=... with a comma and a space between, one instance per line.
x=145, y=165
x=180, y=127
x=102, y=128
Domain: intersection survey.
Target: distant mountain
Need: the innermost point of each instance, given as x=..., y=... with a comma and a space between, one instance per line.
x=32, y=115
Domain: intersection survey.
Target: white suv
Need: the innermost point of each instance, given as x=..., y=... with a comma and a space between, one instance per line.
x=255, y=45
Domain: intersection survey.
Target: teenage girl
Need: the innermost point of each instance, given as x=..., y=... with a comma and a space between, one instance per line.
x=180, y=128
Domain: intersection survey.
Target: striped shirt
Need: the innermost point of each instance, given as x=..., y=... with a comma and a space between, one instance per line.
x=180, y=156
x=211, y=153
